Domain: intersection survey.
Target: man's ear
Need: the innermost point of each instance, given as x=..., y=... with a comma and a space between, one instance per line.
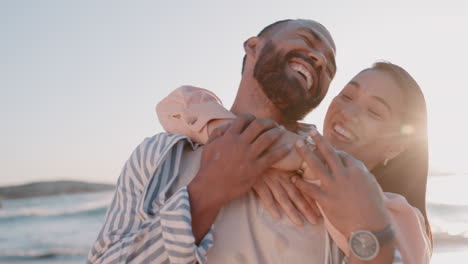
x=251, y=46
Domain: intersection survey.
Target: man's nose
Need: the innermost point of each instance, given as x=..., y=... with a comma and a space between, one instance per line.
x=319, y=59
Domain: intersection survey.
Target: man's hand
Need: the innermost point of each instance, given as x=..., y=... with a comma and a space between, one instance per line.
x=230, y=164
x=275, y=189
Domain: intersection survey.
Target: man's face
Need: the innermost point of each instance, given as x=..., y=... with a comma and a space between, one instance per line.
x=295, y=68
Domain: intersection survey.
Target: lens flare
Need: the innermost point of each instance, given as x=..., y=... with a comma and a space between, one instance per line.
x=407, y=130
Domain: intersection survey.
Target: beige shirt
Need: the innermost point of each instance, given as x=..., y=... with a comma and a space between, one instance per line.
x=245, y=233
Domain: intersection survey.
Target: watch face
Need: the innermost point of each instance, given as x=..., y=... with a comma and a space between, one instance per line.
x=364, y=245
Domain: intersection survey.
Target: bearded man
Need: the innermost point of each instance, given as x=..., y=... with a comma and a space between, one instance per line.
x=177, y=202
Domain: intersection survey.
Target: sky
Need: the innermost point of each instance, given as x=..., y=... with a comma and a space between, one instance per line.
x=79, y=80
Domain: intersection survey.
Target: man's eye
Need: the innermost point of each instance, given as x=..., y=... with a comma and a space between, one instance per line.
x=308, y=41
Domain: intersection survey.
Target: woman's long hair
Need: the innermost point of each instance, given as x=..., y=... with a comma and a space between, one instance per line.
x=407, y=173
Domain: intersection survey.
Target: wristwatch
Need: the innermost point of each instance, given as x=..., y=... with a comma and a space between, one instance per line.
x=365, y=245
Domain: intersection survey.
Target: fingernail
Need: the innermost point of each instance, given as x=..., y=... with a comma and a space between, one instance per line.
x=275, y=214
x=312, y=220
x=293, y=179
x=300, y=143
x=313, y=131
x=298, y=221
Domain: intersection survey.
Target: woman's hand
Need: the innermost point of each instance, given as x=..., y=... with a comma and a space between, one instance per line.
x=292, y=161
x=349, y=195
x=275, y=189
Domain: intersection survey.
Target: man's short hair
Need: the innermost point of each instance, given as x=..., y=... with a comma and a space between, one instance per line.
x=264, y=32
x=268, y=29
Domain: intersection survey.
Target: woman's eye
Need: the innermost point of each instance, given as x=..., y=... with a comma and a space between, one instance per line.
x=347, y=97
x=374, y=113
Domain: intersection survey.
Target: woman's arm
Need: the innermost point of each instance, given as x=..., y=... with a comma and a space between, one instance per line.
x=196, y=112
x=352, y=200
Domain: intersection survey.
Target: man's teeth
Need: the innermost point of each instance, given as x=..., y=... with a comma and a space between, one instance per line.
x=340, y=130
x=302, y=70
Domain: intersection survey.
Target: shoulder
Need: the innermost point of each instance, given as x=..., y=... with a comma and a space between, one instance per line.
x=148, y=156
x=162, y=139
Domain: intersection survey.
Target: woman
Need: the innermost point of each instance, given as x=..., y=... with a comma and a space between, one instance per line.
x=379, y=118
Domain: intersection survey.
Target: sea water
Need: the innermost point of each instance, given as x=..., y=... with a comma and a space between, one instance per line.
x=53, y=229
x=62, y=228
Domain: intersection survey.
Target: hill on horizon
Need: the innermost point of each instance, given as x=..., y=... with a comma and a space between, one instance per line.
x=47, y=188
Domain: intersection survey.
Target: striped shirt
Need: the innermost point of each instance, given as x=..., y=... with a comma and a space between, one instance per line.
x=145, y=223
x=142, y=225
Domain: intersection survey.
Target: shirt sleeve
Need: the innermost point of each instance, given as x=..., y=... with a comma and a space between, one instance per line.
x=187, y=111
x=413, y=243
x=130, y=234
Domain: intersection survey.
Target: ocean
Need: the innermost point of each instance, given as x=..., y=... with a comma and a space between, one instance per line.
x=61, y=228
x=52, y=229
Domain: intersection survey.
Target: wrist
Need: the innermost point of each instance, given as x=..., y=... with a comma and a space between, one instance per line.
x=373, y=223
x=366, y=245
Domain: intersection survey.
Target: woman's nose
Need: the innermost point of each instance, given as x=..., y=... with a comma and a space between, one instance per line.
x=351, y=113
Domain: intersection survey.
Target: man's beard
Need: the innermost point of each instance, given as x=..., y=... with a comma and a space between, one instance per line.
x=285, y=92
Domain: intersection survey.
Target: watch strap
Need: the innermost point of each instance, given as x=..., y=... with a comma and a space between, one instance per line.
x=385, y=235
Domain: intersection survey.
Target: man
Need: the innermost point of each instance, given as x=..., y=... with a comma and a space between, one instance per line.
x=170, y=193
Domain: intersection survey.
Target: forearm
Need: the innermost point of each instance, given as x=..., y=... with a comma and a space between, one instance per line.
x=203, y=210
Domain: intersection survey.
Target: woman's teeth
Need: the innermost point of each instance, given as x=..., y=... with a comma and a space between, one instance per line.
x=340, y=130
x=302, y=70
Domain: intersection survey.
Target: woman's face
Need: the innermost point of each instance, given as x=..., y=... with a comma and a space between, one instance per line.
x=364, y=119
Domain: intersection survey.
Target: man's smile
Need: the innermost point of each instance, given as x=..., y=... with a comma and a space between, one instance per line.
x=306, y=71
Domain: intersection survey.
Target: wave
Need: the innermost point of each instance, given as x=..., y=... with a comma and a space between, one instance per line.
x=85, y=209
x=41, y=253
x=448, y=210
x=446, y=239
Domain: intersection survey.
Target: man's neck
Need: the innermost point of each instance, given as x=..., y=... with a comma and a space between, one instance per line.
x=252, y=100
